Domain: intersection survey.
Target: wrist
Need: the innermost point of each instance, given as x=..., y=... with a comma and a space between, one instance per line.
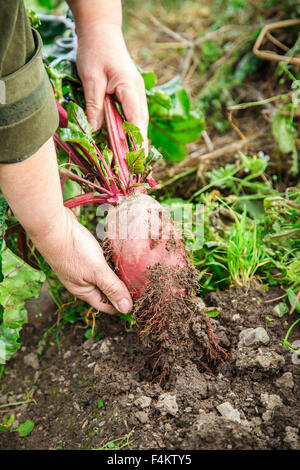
x=98, y=27
x=95, y=12
x=50, y=231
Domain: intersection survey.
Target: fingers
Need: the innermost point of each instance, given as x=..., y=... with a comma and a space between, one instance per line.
x=94, y=92
x=132, y=96
x=95, y=299
x=114, y=289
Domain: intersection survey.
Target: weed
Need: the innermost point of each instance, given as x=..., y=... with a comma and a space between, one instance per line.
x=245, y=251
x=124, y=442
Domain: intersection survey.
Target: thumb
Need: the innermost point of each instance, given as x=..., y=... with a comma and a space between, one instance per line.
x=116, y=291
x=94, y=91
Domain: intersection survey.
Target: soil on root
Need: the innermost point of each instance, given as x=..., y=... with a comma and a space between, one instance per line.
x=172, y=322
x=259, y=382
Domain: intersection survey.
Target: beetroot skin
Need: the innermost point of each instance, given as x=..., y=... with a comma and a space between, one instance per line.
x=142, y=235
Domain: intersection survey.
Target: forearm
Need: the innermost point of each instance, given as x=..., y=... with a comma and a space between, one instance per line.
x=32, y=189
x=95, y=11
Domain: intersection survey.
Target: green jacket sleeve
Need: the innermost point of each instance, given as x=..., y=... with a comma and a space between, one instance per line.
x=28, y=114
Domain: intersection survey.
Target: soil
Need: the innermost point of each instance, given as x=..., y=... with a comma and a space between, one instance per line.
x=256, y=387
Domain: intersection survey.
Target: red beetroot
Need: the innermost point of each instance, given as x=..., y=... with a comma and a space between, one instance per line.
x=142, y=234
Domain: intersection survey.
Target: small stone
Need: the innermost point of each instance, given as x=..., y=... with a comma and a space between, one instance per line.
x=167, y=404
x=76, y=406
x=142, y=416
x=228, y=412
x=67, y=354
x=168, y=427
x=3, y=400
x=291, y=438
x=130, y=396
x=15, y=424
x=200, y=303
x=32, y=360
x=286, y=380
x=86, y=422
x=271, y=401
x=88, y=343
x=261, y=335
x=105, y=346
x=36, y=376
x=98, y=369
x=236, y=317
x=269, y=361
x=267, y=415
x=143, y=402
x=91, y=364
x=247, y=337
x=253, y=336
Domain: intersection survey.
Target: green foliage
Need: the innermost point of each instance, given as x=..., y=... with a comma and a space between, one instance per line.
x=18, y=282
x=245, y=67
x=118, y=444
x=44, y=6
x=134, y=133
x=284, y=134
x=24, y=429
x=100, y=404
x=21, y=282
x=282, y=235
x=135, y=161
x=281, y=309
x=136, y=158
x=213, y=312
x=3, y=209
x=34, y=19
x=173, y=123
x=250, y=229
x=245, y=251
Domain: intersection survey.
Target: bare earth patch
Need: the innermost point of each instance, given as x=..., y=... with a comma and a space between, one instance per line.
x=247, y=402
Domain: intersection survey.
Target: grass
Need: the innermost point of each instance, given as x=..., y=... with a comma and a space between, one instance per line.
x=246, y=251
x=121, y=443
x=251, y=230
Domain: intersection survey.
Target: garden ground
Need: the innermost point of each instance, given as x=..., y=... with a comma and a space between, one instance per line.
x=92, y=392
x=99, y=393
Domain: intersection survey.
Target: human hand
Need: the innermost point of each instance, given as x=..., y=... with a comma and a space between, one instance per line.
x=104, y=66
x=77, y=259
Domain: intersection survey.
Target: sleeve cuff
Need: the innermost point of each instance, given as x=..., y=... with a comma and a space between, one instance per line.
x=28, y=113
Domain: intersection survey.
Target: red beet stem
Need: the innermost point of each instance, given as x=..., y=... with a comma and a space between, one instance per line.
x=117, y=138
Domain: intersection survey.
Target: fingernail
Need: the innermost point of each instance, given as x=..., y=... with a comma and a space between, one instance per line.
x=94, y=125
x=124, y=306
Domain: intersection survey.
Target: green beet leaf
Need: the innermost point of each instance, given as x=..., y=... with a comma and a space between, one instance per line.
x=21, y=282
x=135, y=161
x=25, y=428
